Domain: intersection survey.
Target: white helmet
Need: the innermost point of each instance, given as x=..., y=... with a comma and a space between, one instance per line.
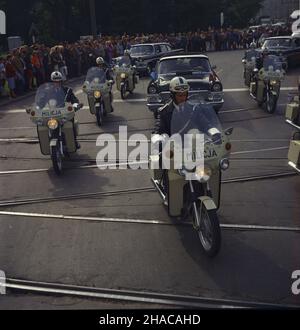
x=56, y=76
x=253, y=45
x=179, y=85
x=100, y=60
x=127, y=52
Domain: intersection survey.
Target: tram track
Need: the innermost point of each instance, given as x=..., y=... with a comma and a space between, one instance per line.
x=18, y=202
x=147, y=297
x=157, y=222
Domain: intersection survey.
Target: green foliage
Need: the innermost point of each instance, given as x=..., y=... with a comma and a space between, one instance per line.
x=59, y=20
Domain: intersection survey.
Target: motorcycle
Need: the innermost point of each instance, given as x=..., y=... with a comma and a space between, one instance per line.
x=265, y=88
x=56, y=125
x=194, y=185
x=126, y=77
x=249, y=62
x=99, y=95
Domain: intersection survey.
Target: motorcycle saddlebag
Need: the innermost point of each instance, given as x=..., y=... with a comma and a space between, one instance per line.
x=43, y=136
x=294, y=152
x=68, y=131
x=292, y=111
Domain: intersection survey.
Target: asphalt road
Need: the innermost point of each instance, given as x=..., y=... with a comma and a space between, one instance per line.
x=253, y=265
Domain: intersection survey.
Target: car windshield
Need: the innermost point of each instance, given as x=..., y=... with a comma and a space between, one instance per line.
x=142, y=50
x=184, y=66
x=275, y=43
x=50, y=95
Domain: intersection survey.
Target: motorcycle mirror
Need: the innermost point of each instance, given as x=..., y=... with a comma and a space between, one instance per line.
x=243, y=61
x=28, y=111
x=255, y=70
x=229, y=131
x=214, y=67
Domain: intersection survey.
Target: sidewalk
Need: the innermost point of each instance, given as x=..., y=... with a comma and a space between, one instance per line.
x=6, y=101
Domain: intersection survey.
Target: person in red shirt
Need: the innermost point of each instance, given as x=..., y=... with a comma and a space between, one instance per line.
x=10, y=72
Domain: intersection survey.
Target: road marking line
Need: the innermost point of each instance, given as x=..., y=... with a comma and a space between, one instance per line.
x=141, y=221
x=258, y=150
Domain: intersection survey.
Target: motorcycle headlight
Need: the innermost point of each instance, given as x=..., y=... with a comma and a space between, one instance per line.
x=273, y=82
x=203, y=174
x=52, y=124
x=97, y=94
x=123, y=75
x=224, y=164
x=217, y=87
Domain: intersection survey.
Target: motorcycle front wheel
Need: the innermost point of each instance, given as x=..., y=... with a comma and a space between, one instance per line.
x=209, y=231
x=56, y=160
x=271, y=103
x=123, y=91
x=99, y=115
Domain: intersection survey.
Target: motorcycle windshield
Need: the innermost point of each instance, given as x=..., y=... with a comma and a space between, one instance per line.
x=96, y=76
x=272, y=63
x=251, y=54
x=50, y=96
x=124, y=61
x=195, y=115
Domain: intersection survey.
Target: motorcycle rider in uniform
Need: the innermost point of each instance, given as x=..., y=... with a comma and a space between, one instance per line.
x=108, y=76
x=179, y=89
x=57, y=79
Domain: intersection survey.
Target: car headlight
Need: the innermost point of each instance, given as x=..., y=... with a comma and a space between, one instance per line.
x=203, y=174
x=123, y=75
x=52, y=124
x=217, y=87
x=224, y=164
x=97, y=94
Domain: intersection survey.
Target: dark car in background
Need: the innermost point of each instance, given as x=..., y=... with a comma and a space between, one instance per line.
x=146, y=56
x=286, y=48
x=199, y=73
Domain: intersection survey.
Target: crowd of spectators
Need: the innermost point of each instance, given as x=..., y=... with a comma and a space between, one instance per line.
x=27, y=67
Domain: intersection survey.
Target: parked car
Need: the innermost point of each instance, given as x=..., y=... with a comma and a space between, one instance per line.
x=287, y=48
x=147, y=55
x=196, y=69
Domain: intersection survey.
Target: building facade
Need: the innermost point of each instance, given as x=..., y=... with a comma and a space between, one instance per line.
x=278, y=9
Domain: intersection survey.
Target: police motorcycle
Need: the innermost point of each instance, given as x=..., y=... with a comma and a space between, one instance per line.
x=56, y=125
x=249, y=62
x=265, y=88
x=187, y=173
x=292, y=115
x=98, y=91
x=126, y=77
